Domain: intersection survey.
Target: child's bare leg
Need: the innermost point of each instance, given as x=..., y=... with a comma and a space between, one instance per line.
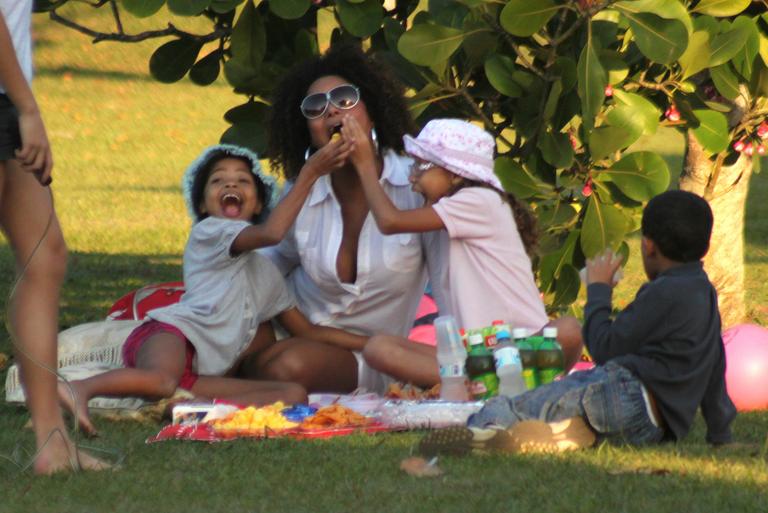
x=160, y=365
x=248, y=392
x=25, y=208
x=403, y=359
x=569, y=337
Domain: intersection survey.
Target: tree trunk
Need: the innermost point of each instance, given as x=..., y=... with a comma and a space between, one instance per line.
x=725, y=261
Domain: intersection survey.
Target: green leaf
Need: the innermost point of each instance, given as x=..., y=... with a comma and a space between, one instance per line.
x=552, y=263
x=721, y=8
x=206, y=70
x=567, y=286
x=614, y=65
x=726, y=45
x=514, y=178
x=326, y=24
x=289, y=9
x=525, y=17
x=605, y=140
x=696, y=56
x=559, y=214
x=426, y=44
x=188, y=7
x=758, y=86
x=659, y=39
x=143, y=8
x=249, y=39
x=249, y=112
x=249, y=135
x=499, y=69
x=556, y=149
x=604, y=226
x=640, y=176
x=565, y=68
x=592, y=82
x=744, y=59
x=725, y=80
x=712, y=132
x=640, y=112
x=764, y=47
x=554, y=96
x=667, y=9
x=361, y=19
x=222, y=6
x=171, y=61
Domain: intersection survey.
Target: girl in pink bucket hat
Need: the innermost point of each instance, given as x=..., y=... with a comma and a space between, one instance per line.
x=488, y=238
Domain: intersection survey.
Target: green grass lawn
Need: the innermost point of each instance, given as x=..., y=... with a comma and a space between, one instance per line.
x=121, y=143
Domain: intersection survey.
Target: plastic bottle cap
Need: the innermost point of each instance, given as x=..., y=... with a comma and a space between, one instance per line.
x=519, y=333
x=496, y=323
x=475, y=339
x=550, y=332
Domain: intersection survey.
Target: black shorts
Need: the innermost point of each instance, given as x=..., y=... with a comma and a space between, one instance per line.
x=10, y=140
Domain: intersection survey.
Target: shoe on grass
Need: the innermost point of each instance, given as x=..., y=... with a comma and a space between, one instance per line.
x=571, y=434
x=527, y=436
x=460, y=441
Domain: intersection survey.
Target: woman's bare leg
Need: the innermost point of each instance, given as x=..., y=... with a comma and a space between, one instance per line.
x=316, y=366
x=403, y=359
x=25, y=208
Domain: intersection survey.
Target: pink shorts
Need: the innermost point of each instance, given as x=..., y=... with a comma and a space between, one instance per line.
x=140, y=335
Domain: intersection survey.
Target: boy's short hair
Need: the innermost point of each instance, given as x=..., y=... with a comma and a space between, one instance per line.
x=680, y=223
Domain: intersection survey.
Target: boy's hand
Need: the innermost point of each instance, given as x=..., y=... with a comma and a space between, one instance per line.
x=602, y=267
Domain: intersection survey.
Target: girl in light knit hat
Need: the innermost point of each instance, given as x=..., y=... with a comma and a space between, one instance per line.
x=489, y=239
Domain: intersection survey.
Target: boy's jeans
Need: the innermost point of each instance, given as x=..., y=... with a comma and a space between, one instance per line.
x=608, y=397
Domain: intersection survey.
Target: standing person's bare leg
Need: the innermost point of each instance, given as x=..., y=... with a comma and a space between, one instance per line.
x=25, y=209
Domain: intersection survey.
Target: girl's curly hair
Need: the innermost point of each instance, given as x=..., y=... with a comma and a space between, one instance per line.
x=381, y=92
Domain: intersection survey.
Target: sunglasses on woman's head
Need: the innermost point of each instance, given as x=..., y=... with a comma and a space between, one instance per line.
x=344, y=97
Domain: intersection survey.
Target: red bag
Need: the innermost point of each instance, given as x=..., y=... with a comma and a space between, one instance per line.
x=136, y=304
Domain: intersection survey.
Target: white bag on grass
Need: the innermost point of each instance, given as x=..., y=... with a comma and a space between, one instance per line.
x=86, y=350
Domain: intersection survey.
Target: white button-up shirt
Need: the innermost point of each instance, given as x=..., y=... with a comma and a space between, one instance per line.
x=391, y=270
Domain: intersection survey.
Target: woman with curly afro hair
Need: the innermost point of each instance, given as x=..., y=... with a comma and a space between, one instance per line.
x=343, y=271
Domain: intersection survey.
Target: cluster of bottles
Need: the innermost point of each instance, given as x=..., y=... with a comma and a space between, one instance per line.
x=480, y=364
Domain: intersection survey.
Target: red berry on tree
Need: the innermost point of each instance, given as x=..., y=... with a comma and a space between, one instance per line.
x=609, y=90
x=739, y=145
x=587, y=189
x=762, y=130
x=749, y=150
x=760, y=150
x=672, y=113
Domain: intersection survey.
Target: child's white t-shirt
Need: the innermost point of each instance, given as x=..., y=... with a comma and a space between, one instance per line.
x=226, y=297
x=489, y=273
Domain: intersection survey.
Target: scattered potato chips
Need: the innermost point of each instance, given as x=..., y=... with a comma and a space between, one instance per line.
x=254, y=421
x=334, y=415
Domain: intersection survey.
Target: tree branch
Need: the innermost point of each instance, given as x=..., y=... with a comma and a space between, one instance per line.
x=116, y=14
x=142, y=36
x=511, y=42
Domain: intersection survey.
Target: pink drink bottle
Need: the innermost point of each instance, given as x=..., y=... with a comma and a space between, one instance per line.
x=451, y=357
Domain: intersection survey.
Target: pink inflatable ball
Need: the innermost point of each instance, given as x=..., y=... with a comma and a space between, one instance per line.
x=746, y=373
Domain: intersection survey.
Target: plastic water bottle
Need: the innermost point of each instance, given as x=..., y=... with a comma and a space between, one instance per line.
x=509, y=367
x=451, y=357
x=549, y=357
x=527, y=350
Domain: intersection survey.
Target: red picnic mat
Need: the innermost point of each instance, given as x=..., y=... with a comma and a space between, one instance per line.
x=203, y=432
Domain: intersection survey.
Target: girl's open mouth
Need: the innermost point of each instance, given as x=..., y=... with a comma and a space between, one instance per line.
x=231, y=204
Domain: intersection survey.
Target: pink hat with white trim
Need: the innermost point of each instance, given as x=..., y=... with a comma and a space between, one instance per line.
x=458, y=146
